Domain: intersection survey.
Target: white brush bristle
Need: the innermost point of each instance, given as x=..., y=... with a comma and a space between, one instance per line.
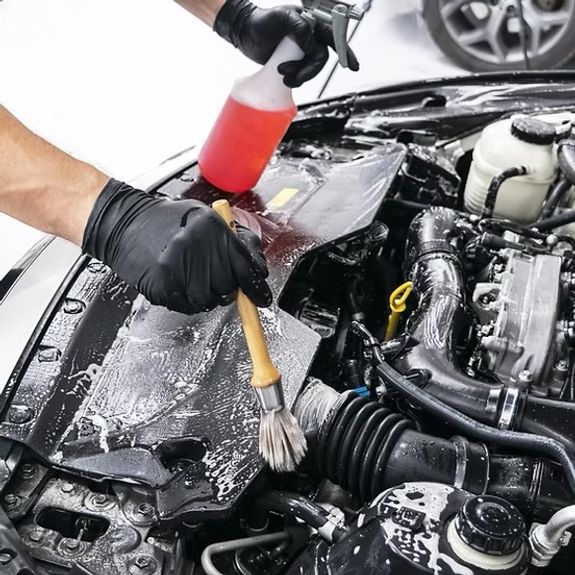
x=282, y=442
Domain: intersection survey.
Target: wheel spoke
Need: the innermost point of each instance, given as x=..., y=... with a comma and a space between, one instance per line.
x=452, y=6
x=473, y=37
x=553, y=19
x=539, y=22
x=534, y=41
x=494, y=36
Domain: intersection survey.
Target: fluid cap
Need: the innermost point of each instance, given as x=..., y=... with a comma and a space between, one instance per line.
x=491, y=525
x=533, y=131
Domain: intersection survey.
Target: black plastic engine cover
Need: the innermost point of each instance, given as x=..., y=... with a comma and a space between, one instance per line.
x=115, y=388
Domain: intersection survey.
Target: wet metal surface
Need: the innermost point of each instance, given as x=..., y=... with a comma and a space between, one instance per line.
x=117, y=388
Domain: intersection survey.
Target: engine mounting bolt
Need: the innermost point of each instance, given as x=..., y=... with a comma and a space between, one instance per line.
x=5, y=558
x=73, y=306
x=72, y=544
x=35, y=536
x=100, y=499
x=20, y=414
x=11, y=500
x=96, y=267
x=145, y=509
x=525, y=376
x=143, y=565
x=67, y=487
x=28, y=470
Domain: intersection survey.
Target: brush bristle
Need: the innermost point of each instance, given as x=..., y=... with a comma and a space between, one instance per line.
x=282, y=442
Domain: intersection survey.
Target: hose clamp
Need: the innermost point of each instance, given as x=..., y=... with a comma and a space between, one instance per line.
x=327, y=530
x=542, y=549
x=509, y=408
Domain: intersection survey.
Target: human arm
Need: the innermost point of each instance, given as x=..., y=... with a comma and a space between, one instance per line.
x=256, y=32
x=205, y=10
x=42, y=185
x=178, y=254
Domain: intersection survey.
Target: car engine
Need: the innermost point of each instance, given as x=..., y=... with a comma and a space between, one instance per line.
x=424, y=325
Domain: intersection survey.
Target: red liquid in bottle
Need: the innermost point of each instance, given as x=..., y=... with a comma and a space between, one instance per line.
x=241, y=144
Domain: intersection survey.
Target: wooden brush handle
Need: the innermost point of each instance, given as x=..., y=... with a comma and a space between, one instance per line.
x=264, y=371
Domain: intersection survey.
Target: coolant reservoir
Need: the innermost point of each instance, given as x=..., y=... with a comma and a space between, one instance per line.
x=517, y=141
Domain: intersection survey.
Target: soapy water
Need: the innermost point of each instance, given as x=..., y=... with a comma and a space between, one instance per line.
x=167, y=376
x=420, y=547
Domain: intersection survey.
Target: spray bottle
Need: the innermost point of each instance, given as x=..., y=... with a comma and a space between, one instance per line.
x=260, y=108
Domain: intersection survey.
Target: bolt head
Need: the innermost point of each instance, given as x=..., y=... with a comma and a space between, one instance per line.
x=20, y=414
x=143, y=565
x=145, y=509
x=142, y=562
x=67, y=487
x=28, y=470
x=72, y=544
x=525, y=376
x=73, y=306
x=35, y=536
x=5, y=558
x=100, y=499
x=11, y=501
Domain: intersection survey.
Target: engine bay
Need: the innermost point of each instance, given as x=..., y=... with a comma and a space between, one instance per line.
x=421, y=248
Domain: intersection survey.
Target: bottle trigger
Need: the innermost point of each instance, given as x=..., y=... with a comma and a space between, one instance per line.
x=338, y=13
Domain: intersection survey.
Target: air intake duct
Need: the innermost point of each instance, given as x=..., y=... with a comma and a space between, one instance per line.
x=366, y=448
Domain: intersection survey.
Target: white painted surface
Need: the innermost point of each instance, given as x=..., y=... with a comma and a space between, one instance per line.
x=125, y=84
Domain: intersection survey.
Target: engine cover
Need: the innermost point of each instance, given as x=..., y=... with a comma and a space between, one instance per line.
x=114, y=388
x=519, y=312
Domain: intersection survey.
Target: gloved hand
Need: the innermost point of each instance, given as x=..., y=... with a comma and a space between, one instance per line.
x=178, y=254
x=258, y=31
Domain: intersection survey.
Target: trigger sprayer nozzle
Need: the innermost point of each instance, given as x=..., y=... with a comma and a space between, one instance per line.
x=338, y=13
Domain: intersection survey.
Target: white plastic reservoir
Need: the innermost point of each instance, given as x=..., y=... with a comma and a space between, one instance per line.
x=517, y=141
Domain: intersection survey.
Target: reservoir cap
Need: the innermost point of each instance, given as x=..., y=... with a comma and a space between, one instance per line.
x=491, y=525
x=533, y=131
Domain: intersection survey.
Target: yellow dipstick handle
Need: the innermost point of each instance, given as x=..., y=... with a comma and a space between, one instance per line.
x=264, y=371
x=397, y=305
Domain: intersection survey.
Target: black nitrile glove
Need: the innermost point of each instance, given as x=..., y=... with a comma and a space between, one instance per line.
x=178, y=254
x=258, y=31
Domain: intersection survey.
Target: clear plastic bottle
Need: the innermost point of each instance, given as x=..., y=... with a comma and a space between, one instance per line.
x=251, y=125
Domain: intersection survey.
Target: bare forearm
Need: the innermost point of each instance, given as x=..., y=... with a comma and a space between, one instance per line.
x=205, y=10
x=43, y=186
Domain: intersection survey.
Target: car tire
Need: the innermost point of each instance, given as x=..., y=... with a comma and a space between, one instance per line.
x=556, y=57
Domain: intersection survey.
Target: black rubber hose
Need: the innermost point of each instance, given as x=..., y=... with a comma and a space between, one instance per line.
x=534, y=444
x=550, y=224
x=365, y=448
x=294, y=505
x=495, y=185
x=555, y=197
x=566, y=159
x=434, y=266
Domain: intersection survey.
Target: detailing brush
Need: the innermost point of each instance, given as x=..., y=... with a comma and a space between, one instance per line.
x=282, y=442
